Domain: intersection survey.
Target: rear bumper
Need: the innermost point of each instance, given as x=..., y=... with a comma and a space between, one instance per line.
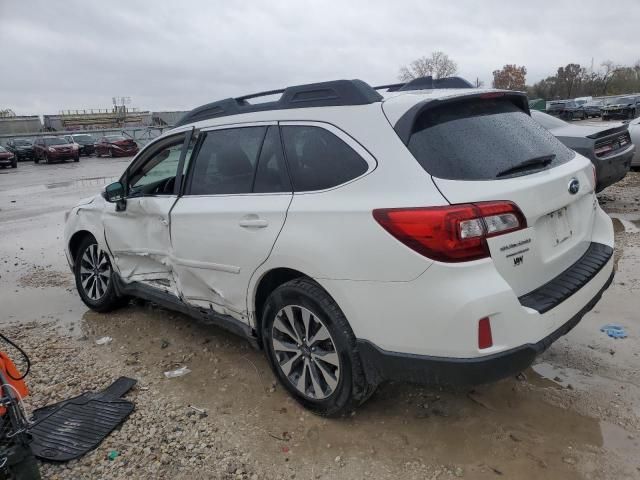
x=23, y=155
x=63, y=156
x=612, y=169
x=87, y=149
x=381, y=365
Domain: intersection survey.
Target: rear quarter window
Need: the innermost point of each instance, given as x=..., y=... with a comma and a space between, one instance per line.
x=477, y=139
x=318, y=159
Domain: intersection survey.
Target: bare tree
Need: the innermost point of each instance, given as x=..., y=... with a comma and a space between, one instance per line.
x=609, y=70
x=479, y=83
x=6, y=113
x=437, y=65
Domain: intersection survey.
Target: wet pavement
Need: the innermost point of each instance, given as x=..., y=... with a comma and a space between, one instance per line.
x=574, y=415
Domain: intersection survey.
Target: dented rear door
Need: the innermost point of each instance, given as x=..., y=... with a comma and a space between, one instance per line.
x=226, y=224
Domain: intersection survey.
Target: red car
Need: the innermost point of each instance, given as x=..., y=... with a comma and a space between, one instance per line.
x=116, y=146
x=54, y=149
x=7, y=158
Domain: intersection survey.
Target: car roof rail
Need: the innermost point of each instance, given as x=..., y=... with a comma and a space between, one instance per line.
x=426, y=83
x=323, y=94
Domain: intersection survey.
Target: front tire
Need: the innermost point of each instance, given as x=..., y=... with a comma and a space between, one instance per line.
x=312, y=349
x=95, y=278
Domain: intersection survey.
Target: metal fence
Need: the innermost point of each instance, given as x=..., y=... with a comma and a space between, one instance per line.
x=141, y=135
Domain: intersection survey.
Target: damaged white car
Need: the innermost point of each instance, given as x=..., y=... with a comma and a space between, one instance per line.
x=434, y=235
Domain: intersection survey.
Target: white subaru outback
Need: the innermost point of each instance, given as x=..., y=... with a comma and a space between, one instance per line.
x=432, y=235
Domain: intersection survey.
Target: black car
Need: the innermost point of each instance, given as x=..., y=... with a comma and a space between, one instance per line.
x=609, y=147
x=21, y=148
x=556, y=107
x=573, y=110
x=85, y=142
x=593, y=109
x=622, y=107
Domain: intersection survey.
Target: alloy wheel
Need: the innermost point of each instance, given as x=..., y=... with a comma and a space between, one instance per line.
x=95, y=272
x=305, y=352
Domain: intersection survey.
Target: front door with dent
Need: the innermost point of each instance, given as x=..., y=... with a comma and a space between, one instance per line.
x=138, y=232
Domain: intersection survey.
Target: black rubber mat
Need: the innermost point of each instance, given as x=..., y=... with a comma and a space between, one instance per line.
x=69, y=429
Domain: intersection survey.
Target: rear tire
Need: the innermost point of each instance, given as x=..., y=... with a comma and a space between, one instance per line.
x=95, y=278
x=301, y=326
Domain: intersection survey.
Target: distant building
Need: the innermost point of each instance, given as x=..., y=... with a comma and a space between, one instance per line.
x=96, y=119
x=164, y=119
x=19, y=125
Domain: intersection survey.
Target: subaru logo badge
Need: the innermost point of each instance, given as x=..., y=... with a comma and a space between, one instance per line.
x=574, y=186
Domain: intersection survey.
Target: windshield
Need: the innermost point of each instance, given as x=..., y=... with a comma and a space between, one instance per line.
x=547, y=121
x=625, y=100
x=115, y=138
x=22, y=143
x=476, y=139
x=2, y=149
x=83, y=138
x=55, y=141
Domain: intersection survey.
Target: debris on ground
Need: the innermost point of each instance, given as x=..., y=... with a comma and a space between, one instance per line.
x=104, y=341
x=178, y=372
x=614, y=331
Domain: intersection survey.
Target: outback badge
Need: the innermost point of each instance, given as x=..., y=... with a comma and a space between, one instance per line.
x=574, y=186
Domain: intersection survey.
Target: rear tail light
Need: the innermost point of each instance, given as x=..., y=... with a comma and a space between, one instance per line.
x=455, y=233
x=595, y=176
x=485, y=339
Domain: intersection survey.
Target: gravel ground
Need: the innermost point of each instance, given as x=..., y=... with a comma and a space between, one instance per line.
x=161, y=435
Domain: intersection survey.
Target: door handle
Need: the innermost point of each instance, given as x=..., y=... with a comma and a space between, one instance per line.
x=253, y=223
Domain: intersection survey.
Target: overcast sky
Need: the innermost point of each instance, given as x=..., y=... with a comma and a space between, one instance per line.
x=174, y=55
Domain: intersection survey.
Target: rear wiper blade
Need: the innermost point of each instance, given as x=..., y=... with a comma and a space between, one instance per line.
x=531, y=164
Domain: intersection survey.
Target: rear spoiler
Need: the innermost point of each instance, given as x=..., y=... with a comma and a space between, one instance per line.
x=609, y=131
x=404, y=125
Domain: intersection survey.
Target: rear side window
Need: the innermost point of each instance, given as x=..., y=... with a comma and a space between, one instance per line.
x=226, y=161
x=480, y=139
x=318, y=160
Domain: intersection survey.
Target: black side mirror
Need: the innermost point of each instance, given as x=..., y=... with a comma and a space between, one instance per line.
x=114, y=192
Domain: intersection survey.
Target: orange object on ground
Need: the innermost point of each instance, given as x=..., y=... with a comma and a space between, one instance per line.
x=9, y=372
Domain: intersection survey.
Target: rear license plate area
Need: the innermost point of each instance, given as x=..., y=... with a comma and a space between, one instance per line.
x=560, y=226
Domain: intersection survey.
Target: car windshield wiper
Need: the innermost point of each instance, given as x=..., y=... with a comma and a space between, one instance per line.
x=531, y=164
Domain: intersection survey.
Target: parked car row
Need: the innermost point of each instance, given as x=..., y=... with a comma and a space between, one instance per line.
x=625, y=107
x=70, y=147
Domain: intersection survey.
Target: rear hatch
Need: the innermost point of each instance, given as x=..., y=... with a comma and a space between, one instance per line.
x=485, y=147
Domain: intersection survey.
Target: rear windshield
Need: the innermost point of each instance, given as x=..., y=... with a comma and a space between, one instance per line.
x=481, y=139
